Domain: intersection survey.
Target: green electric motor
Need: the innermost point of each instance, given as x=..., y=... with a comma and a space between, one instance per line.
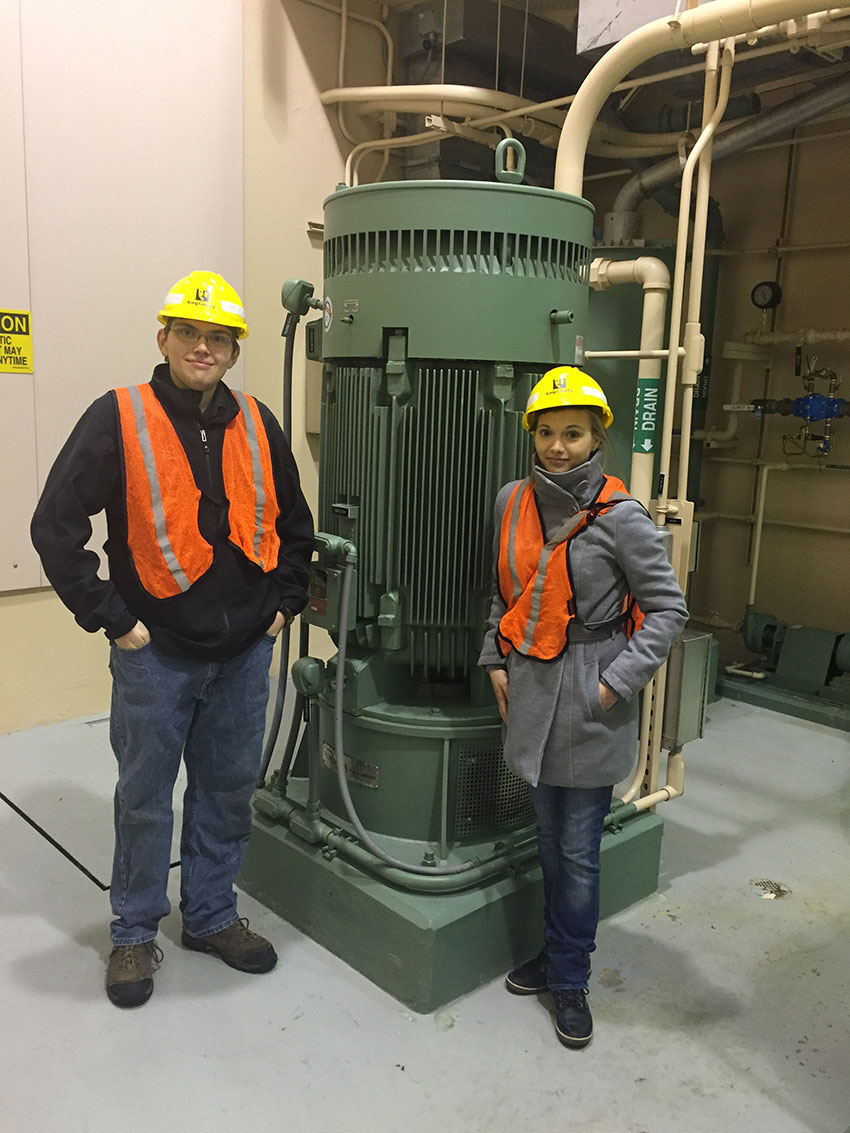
x=444, y=302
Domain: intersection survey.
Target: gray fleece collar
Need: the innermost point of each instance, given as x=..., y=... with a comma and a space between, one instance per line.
x=577, y=486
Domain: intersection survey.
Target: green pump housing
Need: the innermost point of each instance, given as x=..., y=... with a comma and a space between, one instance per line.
x=443, y=303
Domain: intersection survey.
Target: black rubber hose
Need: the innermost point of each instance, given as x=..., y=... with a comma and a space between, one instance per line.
x=280, y=698
x=297, y=717
x=289, y=328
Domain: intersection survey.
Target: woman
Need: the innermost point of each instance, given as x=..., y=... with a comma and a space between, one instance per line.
x=579, y=566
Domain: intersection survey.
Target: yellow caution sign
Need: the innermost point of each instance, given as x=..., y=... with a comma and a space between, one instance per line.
x=15, y=342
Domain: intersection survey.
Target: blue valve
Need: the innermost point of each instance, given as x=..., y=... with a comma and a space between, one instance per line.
x=817, y=407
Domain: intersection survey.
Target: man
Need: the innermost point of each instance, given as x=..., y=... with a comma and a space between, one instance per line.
x=209, y=541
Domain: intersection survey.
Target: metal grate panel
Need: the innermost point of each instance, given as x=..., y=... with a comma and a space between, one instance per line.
x=526, y=255
x=423, y=474
x=490, y=799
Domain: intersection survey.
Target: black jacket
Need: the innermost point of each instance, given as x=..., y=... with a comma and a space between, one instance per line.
x=230, y=606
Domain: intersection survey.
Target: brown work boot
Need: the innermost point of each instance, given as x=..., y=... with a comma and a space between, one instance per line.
x=129, y=973
x=237, y=946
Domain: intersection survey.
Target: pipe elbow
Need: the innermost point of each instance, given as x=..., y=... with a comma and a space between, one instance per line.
x=652, y=273
x=649, y=271
x=675, y=785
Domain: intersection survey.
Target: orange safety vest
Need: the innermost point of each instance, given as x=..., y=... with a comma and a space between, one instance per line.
x=168, y=550
x=534, y=576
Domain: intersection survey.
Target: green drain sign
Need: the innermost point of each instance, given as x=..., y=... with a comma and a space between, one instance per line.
x=646, y=414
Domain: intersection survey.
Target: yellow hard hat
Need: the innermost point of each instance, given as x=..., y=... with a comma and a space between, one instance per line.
x=563, y=387
x=208, y=297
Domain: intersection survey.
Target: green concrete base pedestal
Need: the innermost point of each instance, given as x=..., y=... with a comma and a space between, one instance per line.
x=427, y=949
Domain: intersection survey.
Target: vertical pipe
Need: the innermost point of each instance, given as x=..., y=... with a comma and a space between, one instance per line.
x=651, y=338
x=678, y=291
x=759, y=523
x=712, y=113
x=647, y=696
x=653, y=275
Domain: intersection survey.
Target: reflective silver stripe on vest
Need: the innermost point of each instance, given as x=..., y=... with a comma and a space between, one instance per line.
x=561, y=536
x=256, y=467
x=166, y=550
x=514, y=523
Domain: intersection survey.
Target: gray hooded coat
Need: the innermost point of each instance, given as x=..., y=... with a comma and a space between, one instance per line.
x=558, y=732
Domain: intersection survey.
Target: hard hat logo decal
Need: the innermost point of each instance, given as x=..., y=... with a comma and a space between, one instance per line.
x=202, y=296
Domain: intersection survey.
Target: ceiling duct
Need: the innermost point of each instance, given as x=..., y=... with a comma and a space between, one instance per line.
x=491, y=45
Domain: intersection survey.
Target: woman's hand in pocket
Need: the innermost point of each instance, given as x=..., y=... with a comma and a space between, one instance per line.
x=607, y=698
x=501, y=687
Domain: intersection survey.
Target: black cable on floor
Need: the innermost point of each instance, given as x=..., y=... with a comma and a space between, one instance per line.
x=54, y=843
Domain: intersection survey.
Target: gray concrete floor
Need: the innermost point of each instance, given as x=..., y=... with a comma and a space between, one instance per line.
x=715, y=1008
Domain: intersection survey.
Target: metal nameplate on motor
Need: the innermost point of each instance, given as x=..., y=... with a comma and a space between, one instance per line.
x=350, y=511
x=317, y=596
x=356, y=770
x=324, y=598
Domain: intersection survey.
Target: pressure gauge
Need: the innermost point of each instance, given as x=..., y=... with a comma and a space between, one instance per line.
x=766, y=295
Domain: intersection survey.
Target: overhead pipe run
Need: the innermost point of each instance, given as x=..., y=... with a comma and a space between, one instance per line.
x=544, y=125
x=621, y=222
x=717, y=20
x=544, y=121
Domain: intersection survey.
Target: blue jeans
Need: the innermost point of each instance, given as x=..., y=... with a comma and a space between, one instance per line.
x=213, y=715
x=569, y=835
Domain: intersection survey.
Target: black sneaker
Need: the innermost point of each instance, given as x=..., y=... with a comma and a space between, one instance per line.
x=529, y=978
x=237, y=945
x=573, y=1021
x=129, y=973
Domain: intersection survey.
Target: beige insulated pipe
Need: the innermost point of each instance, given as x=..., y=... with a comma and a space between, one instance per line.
x=693, y=338
x=695, y=346
x=767, y=467
x=652, y=274
x=717, y=20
